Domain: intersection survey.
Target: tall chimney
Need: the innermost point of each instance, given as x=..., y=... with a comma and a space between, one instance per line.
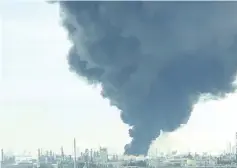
x=236, y=147
x=62, y=153
x=2, y=155
x=39, y=156
x=75, y=154
x=91, y=154
x=39, y=153
x=2, y=158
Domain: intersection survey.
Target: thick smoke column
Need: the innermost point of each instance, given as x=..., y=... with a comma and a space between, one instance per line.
x=153, y=59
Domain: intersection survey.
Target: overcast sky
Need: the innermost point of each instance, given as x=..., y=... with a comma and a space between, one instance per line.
x=45, y=105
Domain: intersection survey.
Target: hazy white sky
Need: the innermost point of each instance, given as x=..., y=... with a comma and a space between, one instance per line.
x=44, y=105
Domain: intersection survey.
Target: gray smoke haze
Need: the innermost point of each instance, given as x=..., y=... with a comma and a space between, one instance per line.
x=153, y=59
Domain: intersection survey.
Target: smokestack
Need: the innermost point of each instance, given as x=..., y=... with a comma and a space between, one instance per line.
x=62, y=153
x=236, y=147
x=75, y=154
x=39, y=154
x=91, y=155
x=2, y=156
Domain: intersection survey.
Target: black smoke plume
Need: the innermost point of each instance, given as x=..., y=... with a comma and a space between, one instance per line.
x=153, y=59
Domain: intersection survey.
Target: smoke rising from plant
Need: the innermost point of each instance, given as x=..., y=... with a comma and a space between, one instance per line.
x=153, y=59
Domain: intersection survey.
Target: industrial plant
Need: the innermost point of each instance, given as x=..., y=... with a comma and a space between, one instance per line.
x=102, y=159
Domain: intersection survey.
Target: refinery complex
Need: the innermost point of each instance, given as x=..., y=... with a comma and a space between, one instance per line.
x=102, y=159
